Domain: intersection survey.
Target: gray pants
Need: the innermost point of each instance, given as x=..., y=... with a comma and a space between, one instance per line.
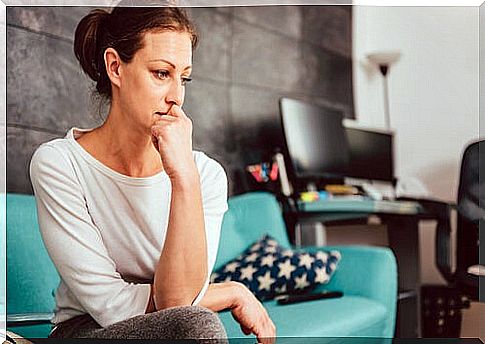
x=187, y=322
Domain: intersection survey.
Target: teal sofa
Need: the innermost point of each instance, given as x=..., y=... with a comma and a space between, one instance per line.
x=366, y=275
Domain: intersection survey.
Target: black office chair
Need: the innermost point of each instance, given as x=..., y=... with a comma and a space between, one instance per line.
x=470, y=212
x=442, y=305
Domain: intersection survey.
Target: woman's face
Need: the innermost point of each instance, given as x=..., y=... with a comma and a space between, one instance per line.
x=155, y=78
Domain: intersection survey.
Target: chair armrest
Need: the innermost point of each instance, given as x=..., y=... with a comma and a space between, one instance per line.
x=366, y=271
x=442, y=212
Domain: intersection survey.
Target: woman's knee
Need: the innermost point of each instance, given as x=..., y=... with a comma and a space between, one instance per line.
x=198, y=322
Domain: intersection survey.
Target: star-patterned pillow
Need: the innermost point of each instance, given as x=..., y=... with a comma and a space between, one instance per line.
x=267, y=269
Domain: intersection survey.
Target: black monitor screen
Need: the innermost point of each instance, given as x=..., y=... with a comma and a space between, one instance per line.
x=315, y=139
x=371, y=154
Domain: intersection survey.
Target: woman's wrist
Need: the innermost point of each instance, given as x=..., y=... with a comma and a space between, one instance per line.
x=221, y=296
x=238, y=292
x=186, y=180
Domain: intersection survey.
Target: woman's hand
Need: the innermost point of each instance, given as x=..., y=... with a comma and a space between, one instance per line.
x=172, y=137
x=245, y=308
x=252, y=316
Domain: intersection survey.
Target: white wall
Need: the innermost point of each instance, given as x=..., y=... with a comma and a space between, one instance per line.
x=433, y=87
x=433, y=92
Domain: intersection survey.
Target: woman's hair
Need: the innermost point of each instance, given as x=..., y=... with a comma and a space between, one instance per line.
x=122, y=30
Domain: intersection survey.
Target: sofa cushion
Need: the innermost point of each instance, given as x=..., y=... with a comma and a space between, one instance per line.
x=347, y=316
x=268, y=269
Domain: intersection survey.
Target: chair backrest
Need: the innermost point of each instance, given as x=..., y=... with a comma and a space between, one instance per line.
x=249, y=217
x=471, y=204
x=32, y=277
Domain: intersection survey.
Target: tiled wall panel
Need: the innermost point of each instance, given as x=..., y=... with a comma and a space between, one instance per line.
x=45, y=86
x=248, y=57
x=21, y=144
x=56, y=21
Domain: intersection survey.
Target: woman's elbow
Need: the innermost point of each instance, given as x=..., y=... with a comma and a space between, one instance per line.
x=178, y=298
x=172, y=302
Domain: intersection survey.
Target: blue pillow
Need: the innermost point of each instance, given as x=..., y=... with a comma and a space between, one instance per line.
x=268, y=269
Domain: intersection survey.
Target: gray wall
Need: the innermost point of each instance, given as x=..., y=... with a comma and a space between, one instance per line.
x=248, y=57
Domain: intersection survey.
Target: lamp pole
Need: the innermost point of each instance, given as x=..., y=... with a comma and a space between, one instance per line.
x=384, y=60
x=387, y=112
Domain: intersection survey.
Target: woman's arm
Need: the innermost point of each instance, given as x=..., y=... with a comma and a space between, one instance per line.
x=221, y=296
x=244, y=306
x=75, y=244
x=197, y=206
x=182, y=268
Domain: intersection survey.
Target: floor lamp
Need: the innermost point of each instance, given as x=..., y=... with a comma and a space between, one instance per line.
x=384, y=60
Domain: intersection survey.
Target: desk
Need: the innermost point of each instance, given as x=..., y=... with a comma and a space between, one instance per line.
x=402, y=222
x=360, y=206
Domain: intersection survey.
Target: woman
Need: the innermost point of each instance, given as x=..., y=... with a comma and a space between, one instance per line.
x=129, y=214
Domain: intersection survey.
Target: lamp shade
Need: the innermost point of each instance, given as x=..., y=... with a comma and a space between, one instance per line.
x=385, y=58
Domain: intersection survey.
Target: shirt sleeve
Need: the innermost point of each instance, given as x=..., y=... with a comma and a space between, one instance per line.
x=75, y=244
x=214, y=202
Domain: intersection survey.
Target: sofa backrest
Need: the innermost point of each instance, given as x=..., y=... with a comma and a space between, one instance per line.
x=249, y=217
x=31, y=273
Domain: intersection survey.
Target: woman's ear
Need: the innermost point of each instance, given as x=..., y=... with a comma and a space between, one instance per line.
x=113, y=66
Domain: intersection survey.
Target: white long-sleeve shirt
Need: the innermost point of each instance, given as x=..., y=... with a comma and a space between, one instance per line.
x=105, y=231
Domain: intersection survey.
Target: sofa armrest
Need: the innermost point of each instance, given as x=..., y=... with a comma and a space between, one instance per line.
x=29, y=319
x=30, y=325
x=366, y=271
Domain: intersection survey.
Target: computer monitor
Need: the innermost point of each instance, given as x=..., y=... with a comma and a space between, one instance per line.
x=315, y=140
x=371, y=154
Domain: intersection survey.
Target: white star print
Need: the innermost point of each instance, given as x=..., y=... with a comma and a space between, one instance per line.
x=272, y=242
x=252, y=257
x=322, y=255
x=214, y=277
x=231, y=267
x=255, y=247
x=306, y=260
x=268, y=260
x=228, y=279
x=270, y=249
x=265, y=281
x=321, y=275
x=247, y=272
x=281, y=290
x=286, y=269
x=301, y=282
x=336, y=254
x=287, y=253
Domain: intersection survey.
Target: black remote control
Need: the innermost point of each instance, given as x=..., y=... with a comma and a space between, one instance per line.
x=285, y=300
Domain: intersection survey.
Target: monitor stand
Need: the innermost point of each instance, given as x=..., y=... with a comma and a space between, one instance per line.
x=318, y=228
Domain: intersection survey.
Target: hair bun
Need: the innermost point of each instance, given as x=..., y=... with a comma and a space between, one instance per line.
x=88, y=41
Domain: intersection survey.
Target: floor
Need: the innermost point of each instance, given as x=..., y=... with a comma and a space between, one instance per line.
x=473, y=323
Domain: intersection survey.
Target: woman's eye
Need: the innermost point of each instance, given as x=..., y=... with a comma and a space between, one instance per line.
x=161, y=74
x=186, y=80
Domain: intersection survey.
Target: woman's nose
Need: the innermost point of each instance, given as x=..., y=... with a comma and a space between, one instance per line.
x=176, y=93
